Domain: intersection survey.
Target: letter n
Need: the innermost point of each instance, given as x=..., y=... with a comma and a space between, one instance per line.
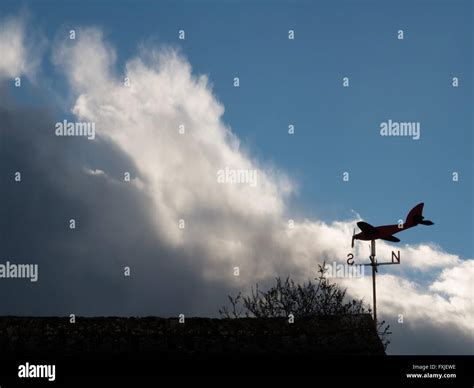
x=396, y=258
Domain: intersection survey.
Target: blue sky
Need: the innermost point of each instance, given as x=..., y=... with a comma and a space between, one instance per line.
x=299, y=82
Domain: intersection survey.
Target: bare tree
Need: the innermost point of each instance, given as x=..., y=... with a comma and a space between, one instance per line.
x=286, y=297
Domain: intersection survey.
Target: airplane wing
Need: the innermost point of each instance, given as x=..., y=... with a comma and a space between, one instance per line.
x=391, y=238
x=365, y=227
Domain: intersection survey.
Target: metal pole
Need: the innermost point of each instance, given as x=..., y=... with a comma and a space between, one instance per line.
x=372, y=257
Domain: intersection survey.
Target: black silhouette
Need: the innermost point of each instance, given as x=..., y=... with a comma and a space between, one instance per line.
x=386, y=232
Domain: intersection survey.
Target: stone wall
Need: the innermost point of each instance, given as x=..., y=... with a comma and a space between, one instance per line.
x=152, y=337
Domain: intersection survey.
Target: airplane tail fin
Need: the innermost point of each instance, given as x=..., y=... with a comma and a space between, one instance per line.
x=415, y=217
x=427, y=222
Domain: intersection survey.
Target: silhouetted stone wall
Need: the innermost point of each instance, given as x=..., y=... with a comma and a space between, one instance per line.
x=197, y=337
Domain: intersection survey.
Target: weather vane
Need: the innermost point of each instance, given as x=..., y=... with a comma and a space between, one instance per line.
x=385, y=232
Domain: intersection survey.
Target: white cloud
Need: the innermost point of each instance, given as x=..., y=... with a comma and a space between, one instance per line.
x=233, y=224
x=420, y=305
x=457, y=284
x=89, y=61
x=19, y=50
x=95, y=172
x=425, y=256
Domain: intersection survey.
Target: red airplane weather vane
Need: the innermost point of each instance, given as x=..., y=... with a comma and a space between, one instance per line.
x=385, y=232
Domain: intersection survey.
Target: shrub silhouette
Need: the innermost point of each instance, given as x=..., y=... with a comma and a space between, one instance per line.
x=309, y=299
